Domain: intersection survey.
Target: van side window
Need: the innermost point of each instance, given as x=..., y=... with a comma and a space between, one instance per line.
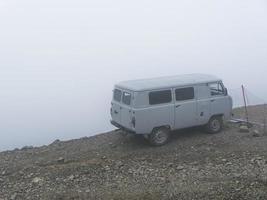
x=160, y=97
x=216, y=89
x=183, y=94
x=126, y=98
x=117, y=95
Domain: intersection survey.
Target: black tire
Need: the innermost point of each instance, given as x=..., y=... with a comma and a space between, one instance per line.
x=215, y=125
x=159, y=136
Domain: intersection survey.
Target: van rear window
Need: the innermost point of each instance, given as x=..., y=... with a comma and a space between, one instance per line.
x=126, y=98
x=183, y=94
x=160, y=97
x=117, y=95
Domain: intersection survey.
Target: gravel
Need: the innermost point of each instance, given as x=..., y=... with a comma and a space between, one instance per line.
x=194, y=165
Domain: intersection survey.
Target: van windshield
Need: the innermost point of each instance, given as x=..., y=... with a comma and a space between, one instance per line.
x=117, y=95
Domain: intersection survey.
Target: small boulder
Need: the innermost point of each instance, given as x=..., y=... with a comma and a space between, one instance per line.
x=13, y=196
x=37, y=180
x=243, y=129
x=60, y=160
x=256, y=133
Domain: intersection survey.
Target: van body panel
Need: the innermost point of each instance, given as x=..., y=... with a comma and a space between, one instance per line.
x=185, y=114
x=126, y=117
x=203, y=104
x=154, y=116
x=116, y=111
x=185, y=109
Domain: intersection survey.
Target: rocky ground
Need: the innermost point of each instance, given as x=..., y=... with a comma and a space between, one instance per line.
x=194, y=165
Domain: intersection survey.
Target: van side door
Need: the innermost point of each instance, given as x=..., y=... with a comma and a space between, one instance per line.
x=203, y=104
x=218, y=101
x=185, y=107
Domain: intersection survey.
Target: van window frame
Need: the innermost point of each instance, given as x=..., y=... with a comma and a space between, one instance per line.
x=218, y=83
x=120, y=95
x=160, y=90
x=131, y=97
x=185, y=87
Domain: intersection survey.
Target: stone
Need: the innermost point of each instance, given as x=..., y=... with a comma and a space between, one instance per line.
x=37, y=180
x=119, y=164
x=60, y=160
x=27, y=148
x=256, y=133
x=170, y=164
x=71, y=177
x=13, y=196
x=243, y=129
x=180, y=168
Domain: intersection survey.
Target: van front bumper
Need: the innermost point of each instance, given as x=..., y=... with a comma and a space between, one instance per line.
x=121, y=127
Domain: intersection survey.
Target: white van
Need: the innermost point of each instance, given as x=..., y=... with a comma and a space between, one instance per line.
x=154, y=107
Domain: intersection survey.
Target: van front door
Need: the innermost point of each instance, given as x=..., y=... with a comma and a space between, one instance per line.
x=185, y=107
x=218, y=102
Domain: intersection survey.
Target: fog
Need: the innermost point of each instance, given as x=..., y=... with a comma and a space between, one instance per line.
x=59, y=59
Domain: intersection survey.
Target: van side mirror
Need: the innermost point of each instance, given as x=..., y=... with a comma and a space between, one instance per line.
x=225, y=91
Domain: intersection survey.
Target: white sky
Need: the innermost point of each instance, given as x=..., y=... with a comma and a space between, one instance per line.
x=59, y=59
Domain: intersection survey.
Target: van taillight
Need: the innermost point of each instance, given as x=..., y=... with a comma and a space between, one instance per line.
x=133, y=121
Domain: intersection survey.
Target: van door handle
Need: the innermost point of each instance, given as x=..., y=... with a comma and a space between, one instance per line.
x=177, y=106
x=212, y=100
x=116, y=112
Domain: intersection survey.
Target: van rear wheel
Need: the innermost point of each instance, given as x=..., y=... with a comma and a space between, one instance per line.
x=159, y=136
x=215, y=125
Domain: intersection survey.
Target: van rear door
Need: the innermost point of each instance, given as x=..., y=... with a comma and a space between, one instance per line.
x=126, y=110
x=116, y=106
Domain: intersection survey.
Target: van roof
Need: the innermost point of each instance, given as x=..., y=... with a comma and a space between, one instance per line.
x=166, y=82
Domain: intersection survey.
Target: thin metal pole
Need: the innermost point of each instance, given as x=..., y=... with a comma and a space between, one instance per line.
x=245, y=103
x=264, y=123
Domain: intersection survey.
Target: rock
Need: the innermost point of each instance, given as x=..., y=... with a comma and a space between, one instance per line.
x=56, y=142
x=170, y=164
x=256, y=133
x=27, y=148
x=13, y=196
x=3, y=173
x=228, y=163
x=119, y=164
x=60, y=160
x=180, y=167
x=224, y=160
x=243, y=129
x=71, y=177
x=104, y=158
x=37, y=180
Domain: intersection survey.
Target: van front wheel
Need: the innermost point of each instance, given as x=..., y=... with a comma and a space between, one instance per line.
x=159, y=136
x=215, y=125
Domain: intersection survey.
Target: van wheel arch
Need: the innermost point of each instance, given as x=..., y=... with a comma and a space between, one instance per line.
x=159, y=135
x=215, y=124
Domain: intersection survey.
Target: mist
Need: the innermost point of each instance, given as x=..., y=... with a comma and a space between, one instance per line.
x=60, y=59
